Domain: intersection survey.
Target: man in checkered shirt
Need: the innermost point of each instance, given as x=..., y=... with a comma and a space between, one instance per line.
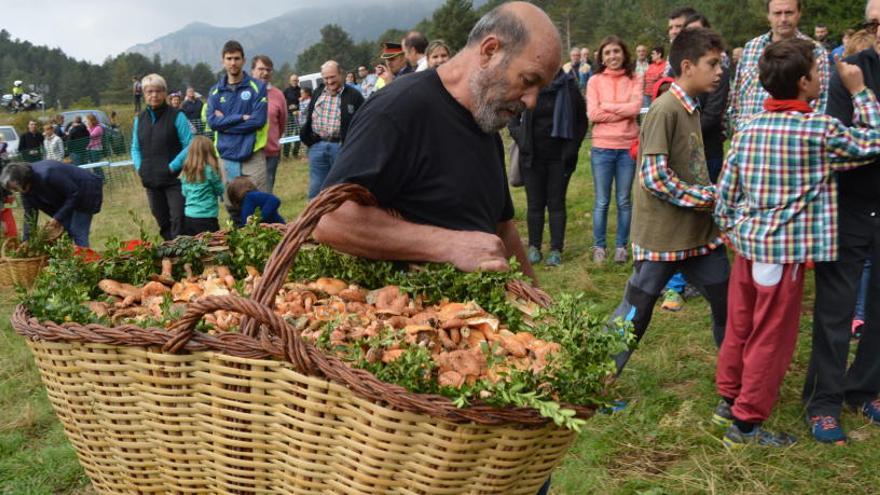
x=777, y=204
x=747, y=95
x=327, y=119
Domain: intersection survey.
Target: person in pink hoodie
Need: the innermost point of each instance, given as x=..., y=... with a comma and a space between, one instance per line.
x=614, y=98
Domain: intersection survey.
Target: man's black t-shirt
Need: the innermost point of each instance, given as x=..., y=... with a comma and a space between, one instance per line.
x=421, y=153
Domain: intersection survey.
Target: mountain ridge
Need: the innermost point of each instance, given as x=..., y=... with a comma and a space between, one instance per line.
x=285, y=36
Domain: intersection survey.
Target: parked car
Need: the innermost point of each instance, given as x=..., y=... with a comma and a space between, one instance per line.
x=311, y=81
x=10, y=137
x=113, y=141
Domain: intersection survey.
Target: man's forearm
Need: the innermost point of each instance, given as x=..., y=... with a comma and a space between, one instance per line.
x=371, y=232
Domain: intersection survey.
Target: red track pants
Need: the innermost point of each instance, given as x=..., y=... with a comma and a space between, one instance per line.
x=763, y=316
x=8, y=221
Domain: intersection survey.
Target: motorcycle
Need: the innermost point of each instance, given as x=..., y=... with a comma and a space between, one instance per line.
x=29, y=101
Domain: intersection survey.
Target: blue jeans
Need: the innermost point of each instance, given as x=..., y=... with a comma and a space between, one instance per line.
x=612, y=166
x=78, y=226
x=322, y=155
x=861, y=295
x=271, y=169
x=233, y=169
x=714, y=165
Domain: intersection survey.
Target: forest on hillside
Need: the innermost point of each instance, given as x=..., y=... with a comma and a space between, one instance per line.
x=67, y=81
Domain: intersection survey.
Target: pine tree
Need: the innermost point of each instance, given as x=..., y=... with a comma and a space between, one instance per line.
x=452, y=22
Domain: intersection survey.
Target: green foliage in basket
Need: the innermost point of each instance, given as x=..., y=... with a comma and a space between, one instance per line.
x=63, y=286
x=489, y=289
x=40, y=239
x=132, y=264
x=251, y=245
x=185, y=251
x=322, y=261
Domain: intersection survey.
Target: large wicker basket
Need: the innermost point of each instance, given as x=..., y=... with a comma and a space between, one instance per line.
x=177, y=411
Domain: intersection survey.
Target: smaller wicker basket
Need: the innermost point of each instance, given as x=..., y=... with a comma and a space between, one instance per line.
x=18, y=271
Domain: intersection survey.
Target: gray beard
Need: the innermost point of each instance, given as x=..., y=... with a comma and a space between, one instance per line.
x=487, y=88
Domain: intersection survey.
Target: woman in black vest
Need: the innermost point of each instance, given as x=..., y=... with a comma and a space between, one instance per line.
x=159, y=142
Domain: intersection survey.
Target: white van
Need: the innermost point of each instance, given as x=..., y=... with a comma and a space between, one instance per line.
x=311, y=81
x=10, y=137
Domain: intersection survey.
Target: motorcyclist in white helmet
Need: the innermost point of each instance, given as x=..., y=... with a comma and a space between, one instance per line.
x=17, y=92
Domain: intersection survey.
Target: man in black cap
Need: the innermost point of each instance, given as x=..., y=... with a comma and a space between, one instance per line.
x=395, y=58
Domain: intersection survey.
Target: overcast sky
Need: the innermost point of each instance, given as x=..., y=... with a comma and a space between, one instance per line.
x=95, y=29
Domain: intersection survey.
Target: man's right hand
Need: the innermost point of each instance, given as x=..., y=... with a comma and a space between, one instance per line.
x=851, y=76
x=476, y=251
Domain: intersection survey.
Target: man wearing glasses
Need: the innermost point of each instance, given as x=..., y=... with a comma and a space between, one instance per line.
x=829, y=384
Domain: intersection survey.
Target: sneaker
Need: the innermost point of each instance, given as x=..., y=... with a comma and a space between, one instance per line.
x=857, y=329
x=722, y=416
x=672, y=301
x=620, y=255
x=534, y=255
x=871, y=410
x=598, y=254
x=736, y=439
x=690, y=292
x=554, y=258
x=826, y=429
x=615, y=407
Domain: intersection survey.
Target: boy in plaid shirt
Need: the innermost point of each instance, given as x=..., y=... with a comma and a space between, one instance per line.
x=777, y=203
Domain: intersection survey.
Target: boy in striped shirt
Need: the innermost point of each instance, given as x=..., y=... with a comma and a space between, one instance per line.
x=777, y=204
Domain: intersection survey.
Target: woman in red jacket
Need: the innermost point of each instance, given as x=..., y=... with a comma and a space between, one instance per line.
x=656, y=70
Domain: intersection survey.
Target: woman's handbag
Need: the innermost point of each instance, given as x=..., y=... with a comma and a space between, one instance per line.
x=514, y=173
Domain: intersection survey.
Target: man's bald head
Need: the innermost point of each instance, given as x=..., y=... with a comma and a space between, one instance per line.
x=511, y=53
x=516, y=24
x=331, y=73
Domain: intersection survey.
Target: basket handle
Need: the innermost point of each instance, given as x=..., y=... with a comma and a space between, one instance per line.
x=9, y=241
x=291, y=343
x=282, y=257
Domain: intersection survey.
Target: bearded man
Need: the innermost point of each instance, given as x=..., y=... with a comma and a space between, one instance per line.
x=428, y=147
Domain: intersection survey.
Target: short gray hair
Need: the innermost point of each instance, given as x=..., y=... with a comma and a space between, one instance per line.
x=154, y=81
x=507, y=26
x=17, y=173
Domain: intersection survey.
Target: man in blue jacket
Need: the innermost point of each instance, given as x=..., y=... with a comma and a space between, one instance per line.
x=71, y=195
x=237, y=113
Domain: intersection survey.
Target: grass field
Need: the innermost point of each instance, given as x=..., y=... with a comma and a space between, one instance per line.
x=662, y=443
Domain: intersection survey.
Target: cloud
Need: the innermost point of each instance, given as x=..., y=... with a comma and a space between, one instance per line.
x=96, y=29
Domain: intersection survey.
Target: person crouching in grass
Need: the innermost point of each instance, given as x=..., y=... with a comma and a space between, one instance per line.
x=672, y=228
x=776, y=200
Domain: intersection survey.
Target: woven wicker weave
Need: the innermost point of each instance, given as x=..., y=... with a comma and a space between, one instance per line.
x=264, y=412
x=19, y=271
